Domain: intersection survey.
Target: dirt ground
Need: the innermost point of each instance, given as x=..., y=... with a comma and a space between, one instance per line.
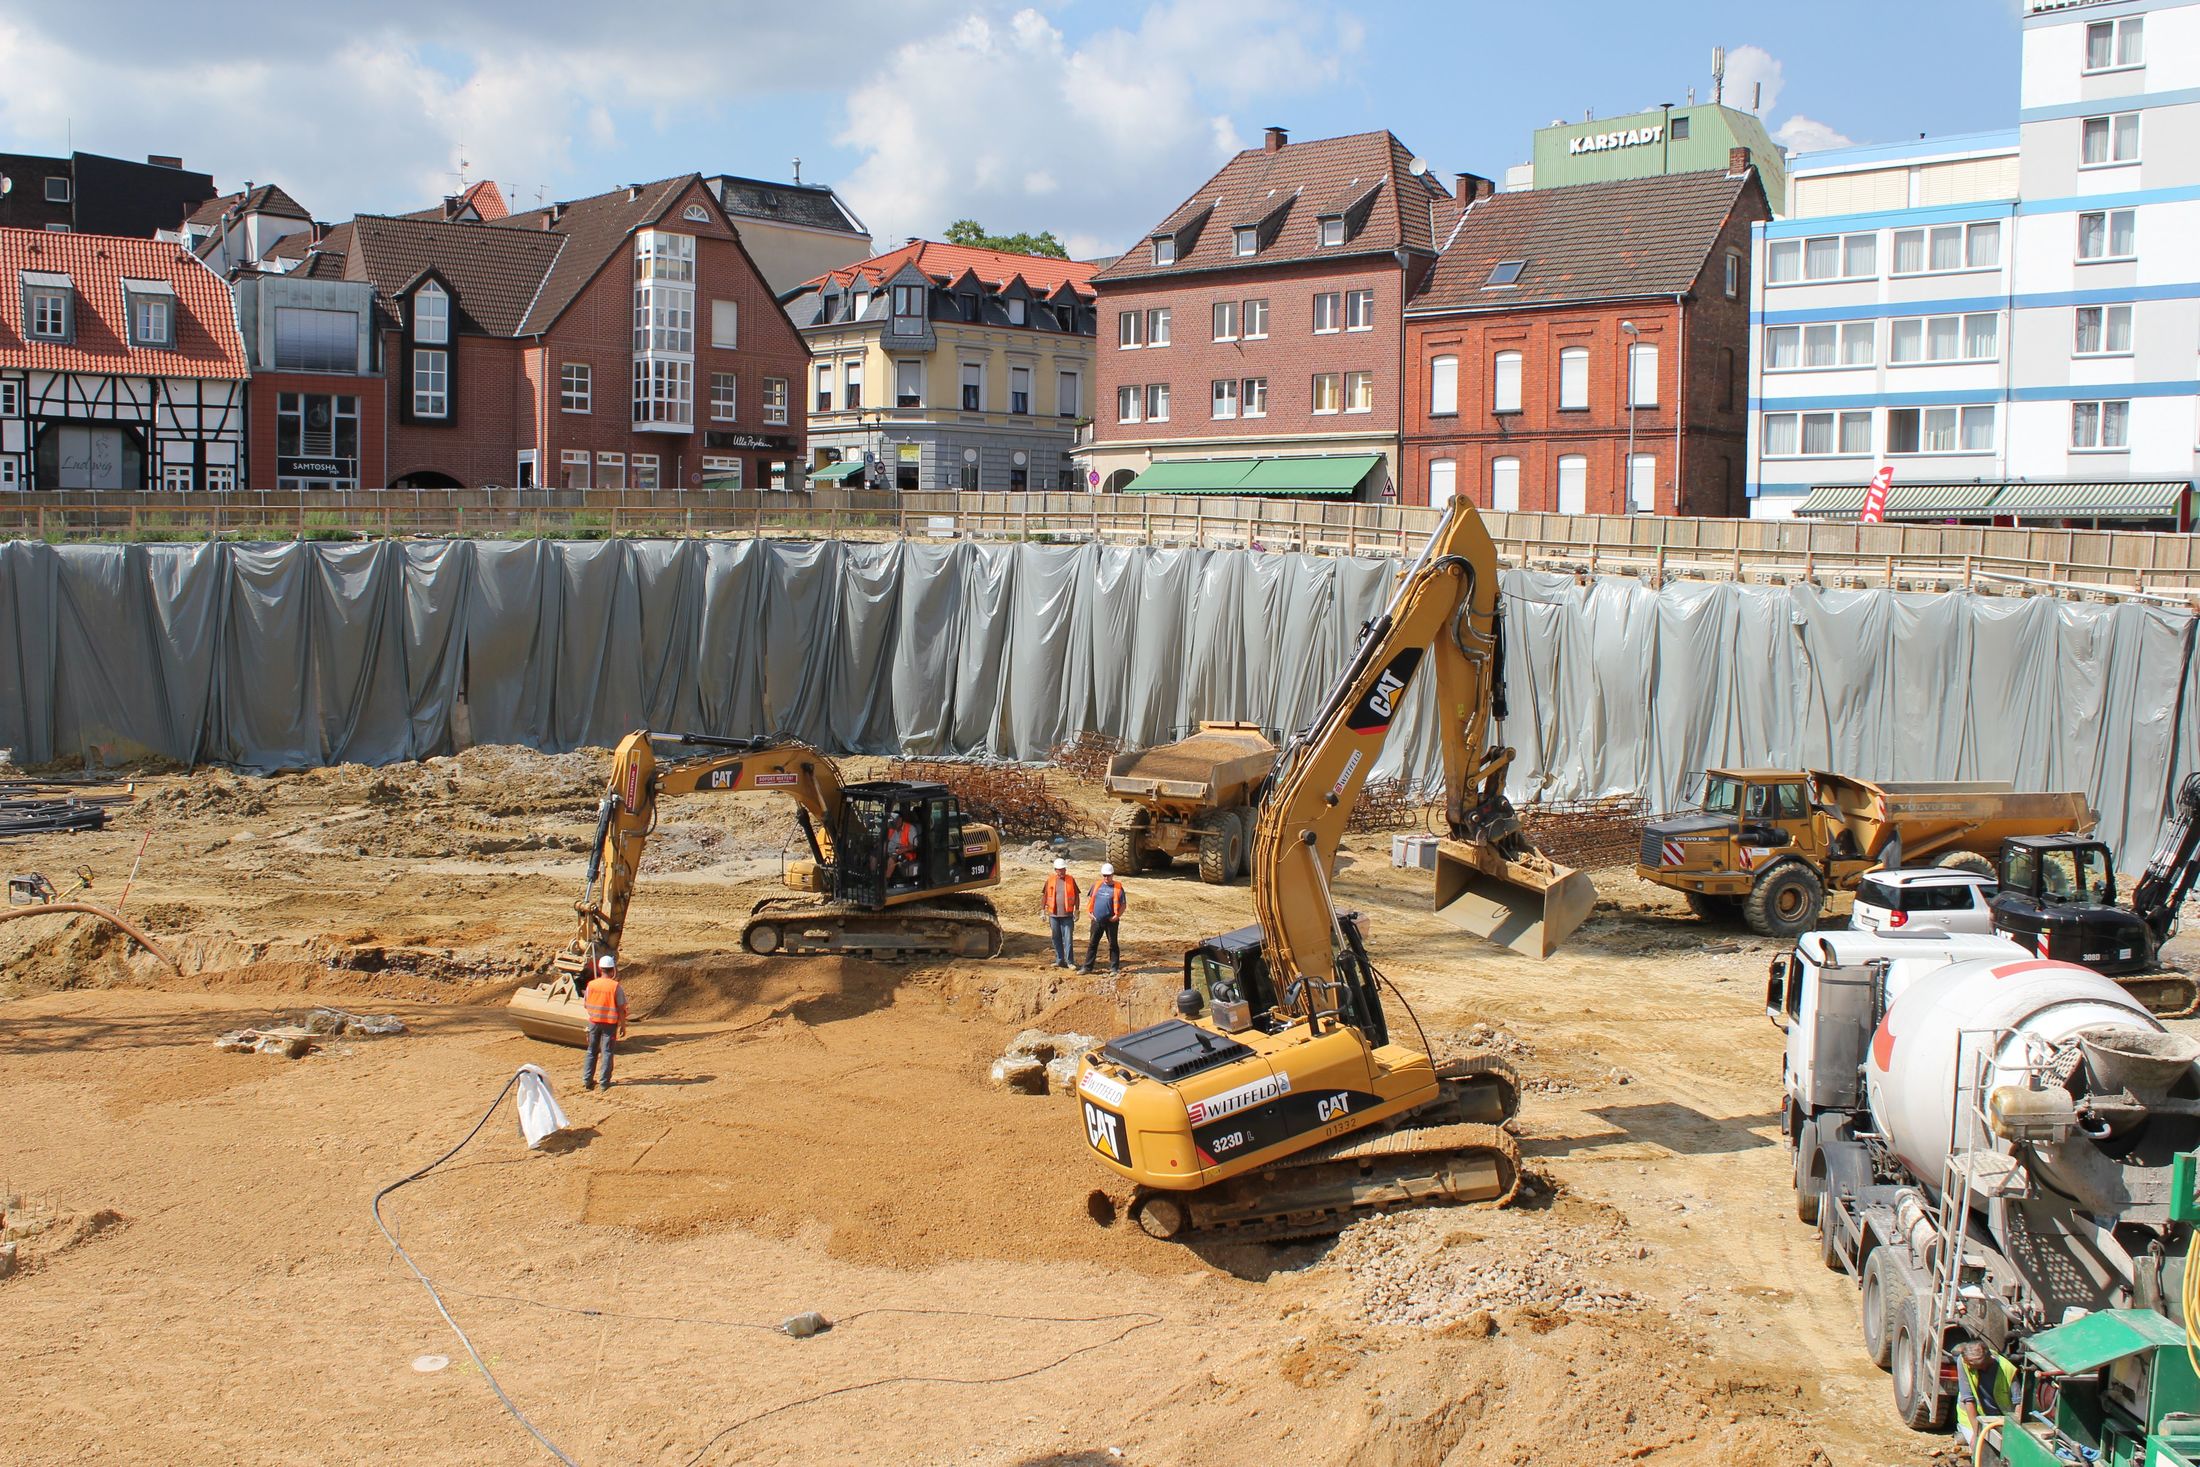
x=199, y=1276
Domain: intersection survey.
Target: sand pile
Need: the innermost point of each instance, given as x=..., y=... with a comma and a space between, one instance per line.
x=1439, y=1267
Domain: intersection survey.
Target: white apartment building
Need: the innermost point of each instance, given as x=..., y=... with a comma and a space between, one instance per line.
x=2008, y=320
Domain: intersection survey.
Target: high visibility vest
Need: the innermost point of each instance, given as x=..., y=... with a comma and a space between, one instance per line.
x=903, y=840
x=1061, y=895
x=606, y=1001
x=1116, y=901
x=1984, y=1403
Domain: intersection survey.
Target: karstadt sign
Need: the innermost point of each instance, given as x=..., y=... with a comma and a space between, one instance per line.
x=1599, y=142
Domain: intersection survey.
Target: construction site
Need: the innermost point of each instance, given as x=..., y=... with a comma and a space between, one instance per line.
x=880, y=1179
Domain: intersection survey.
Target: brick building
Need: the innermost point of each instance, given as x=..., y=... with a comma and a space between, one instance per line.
x=315, y=405
x=1585, y=349
x=93, y=194
x=621, y=341
x=1259, y=326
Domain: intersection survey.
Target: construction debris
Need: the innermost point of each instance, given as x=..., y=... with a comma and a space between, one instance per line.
x=291, y=1041
x=1589, y=835
x=336, y=1021
x=1085, y=757
x=1387, y=804
x=1037, y=1063
x=1012, y=798
x=48, y=815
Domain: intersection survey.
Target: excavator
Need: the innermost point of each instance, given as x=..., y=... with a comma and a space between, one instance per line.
x=1279, y=1103
x=892, y=870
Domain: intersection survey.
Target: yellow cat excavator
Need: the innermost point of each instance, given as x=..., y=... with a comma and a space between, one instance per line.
x=891, y=873
x=1280, y=1104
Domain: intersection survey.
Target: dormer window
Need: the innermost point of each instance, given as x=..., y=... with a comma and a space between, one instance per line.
x=152, y=312
x=49, y=306
x=1506, y=272
x=1164, y=250
x=1333, y=231
x=862, y=304
x=1015, y=312
x=909, y=310
x=1248, y=242
x=431, y=315
x=968, y=302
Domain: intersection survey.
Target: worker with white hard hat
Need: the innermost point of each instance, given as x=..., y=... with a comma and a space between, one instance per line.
x=605, y=1002
x=1059, y=902
x=1106, y=911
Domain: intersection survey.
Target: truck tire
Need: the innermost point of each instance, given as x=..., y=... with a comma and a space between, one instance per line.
x=1127, y=839
x=1915, y=1366
x=1810, y=1175
x=1882, y=1281
x=1248, y=820
x=1221, y=850
x=1713, y=908
x=1970, y=861
x=1785, y=902
x=1829, y=1249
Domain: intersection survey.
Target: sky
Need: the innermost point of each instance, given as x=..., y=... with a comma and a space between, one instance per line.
x=1088, y=119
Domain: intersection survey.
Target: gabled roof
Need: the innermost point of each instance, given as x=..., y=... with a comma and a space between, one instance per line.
x=207, y=343
x=593, y=229
x=265, y=199
x=947, y=264
x=1616, y=240
x=496, y=273
x=1410, y=213
x=484, y=199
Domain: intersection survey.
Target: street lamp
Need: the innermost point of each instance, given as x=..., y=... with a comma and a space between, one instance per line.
x=1627, y=473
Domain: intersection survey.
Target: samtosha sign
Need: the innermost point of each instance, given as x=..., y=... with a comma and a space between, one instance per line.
x=1599, y=142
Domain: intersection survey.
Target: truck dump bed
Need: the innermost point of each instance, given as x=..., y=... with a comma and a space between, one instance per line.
x=1934, y=816
x=1217, y=766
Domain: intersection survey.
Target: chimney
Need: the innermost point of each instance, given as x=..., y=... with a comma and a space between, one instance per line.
x=1274, y=140
x=1737, y=162
x=162, y=160
x=633, y=192
x=1467, y=187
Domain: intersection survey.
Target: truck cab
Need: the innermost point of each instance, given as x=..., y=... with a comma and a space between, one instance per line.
x=2058, y=899
x=1755, y=849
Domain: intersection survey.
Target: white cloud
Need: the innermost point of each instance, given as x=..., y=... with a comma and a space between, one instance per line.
x=1119, y=125
x=1746, y=68
x=1800, y=134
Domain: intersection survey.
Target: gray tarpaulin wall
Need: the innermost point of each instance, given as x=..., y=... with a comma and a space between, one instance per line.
x=280, y=656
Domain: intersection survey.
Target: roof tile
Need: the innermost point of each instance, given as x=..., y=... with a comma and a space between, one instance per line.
x=496, y=273
x=207, y=343
x=946, y=263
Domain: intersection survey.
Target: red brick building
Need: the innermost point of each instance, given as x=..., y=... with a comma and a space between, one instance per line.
x=621, y=341
x=1261, y=321
x=1585, y=349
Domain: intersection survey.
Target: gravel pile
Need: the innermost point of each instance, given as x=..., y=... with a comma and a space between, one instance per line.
x=1424, y=1268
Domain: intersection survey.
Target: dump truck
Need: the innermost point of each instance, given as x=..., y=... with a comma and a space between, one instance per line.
x=1766, y=845
x=1991, y=1145
x=1193, y=797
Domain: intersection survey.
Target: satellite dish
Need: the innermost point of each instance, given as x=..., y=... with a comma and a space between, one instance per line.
x=1419, y=167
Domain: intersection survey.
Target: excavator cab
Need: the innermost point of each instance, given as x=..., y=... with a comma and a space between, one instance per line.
x=898, y=838
x=1228, y=979
x=2058, y=897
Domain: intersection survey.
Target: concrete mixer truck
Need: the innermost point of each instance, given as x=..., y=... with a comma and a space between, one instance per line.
x=1991, y=1143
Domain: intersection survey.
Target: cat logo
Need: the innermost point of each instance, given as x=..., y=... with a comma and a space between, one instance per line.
x=1379, y=704
x=1104, y=1129
x=1330, y=1107
x=724, y=779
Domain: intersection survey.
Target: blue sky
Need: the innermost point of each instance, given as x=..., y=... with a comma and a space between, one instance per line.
x=1090, y=119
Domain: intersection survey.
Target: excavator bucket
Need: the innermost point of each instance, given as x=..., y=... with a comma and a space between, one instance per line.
x=1530, y=905
x=551, y=1010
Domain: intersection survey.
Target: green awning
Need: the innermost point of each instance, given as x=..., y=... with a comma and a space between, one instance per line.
x=2127, y=500
x=1904, y=501
x=847, y=468
x=1336, y=474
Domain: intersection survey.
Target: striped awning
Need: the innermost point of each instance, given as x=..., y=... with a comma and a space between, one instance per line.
x=1904, y=501
x=2128, y=499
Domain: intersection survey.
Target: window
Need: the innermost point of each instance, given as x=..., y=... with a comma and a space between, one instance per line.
x=431, y=311
x=316, y=341
x=2108, y=234
x=1818, y=346
x=1505, y=484
x=725, y=324
x=724, y=397
x=1679, y=130
x=2103, y=331
x=1443, y=387
x=1982, y=246
x=1129, y=402
x=323, y=426
x=573, y=468
x=57, y=190
x=1226, y=320
x=664, y=309
x=2100, y=425
x=851, y=385
x=973, y=387
x=1505, y=272
x=909, y=317
x=1359, y=392
x=1505, y=382
x=1733, y=275
x=151, y=320
x=1328, y=309
x=1157, y=327
x=8, y=481
x=1359, y=310
x=721, y=472
x=221, y=478
x=1972, y=338
x=1816, y=435
x=1573, y=378
x=908, y=384
x=1642, y=374
x=1015, y=311
x=664, y=391
x=1069, y=395
x=1443, y=481
x=2110, y=44
x=2104, y=142
x=610, y=471
x=1253, y=400
x=824, y=400
x=575, y=387
x=523, y=475
x=46, y=312
x=431, y=384
x=1940, y=430
x=1573, y=484
x=176, y=478
x=1130, y=329
x=1947, y=247
x=1248, y=242
x=1157, y=402
x=1822, y=257
x=1332, y=232
x=662, y=254
x=11, y=399
x=1328, y=392
x=1256, y=320
x=1164, y=250
x=775, y=400
x=1642, y=484
x=1019, y=391
x=1225, y=398
x=645, y=471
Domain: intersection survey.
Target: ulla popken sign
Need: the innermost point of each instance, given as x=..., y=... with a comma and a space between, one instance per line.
x=1632, y=137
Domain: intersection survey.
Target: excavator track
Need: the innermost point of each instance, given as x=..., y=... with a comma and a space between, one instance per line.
x=945, y=927
x=2171, y=994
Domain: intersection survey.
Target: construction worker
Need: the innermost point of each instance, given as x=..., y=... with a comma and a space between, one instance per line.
x=1060, y=904
x=1986, y=1386
x=1107, y=912
x=606, y=1006
x=901, y=849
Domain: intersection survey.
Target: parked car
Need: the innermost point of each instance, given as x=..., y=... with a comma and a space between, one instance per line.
x=1930, y=899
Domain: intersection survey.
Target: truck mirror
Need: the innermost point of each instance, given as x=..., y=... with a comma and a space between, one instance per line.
x=1776, y=982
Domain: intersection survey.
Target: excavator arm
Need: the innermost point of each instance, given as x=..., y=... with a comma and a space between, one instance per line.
x=2161, y=890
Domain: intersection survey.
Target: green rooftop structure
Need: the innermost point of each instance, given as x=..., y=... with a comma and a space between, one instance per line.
x=1661, y=140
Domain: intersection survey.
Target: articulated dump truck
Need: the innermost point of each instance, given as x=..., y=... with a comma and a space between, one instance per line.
x=1768, y=844
x=1193, y=797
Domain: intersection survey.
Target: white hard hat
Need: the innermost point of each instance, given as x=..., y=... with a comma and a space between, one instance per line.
x=607, y=961
x=1060, y=864
x=1106, y=869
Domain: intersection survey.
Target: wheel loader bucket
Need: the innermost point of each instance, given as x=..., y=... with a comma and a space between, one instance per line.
x=1530, y=905
x=550, y=1010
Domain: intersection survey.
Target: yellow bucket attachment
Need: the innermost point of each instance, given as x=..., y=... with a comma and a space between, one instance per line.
x=1531, y=905
x=551, y=1010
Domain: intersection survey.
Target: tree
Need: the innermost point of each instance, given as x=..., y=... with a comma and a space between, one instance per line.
x=971, y=232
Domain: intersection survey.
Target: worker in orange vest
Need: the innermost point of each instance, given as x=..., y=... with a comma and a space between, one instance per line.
x=901, y=850
x=605, y=1003
x=1107, y=910
x=1060, y=905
